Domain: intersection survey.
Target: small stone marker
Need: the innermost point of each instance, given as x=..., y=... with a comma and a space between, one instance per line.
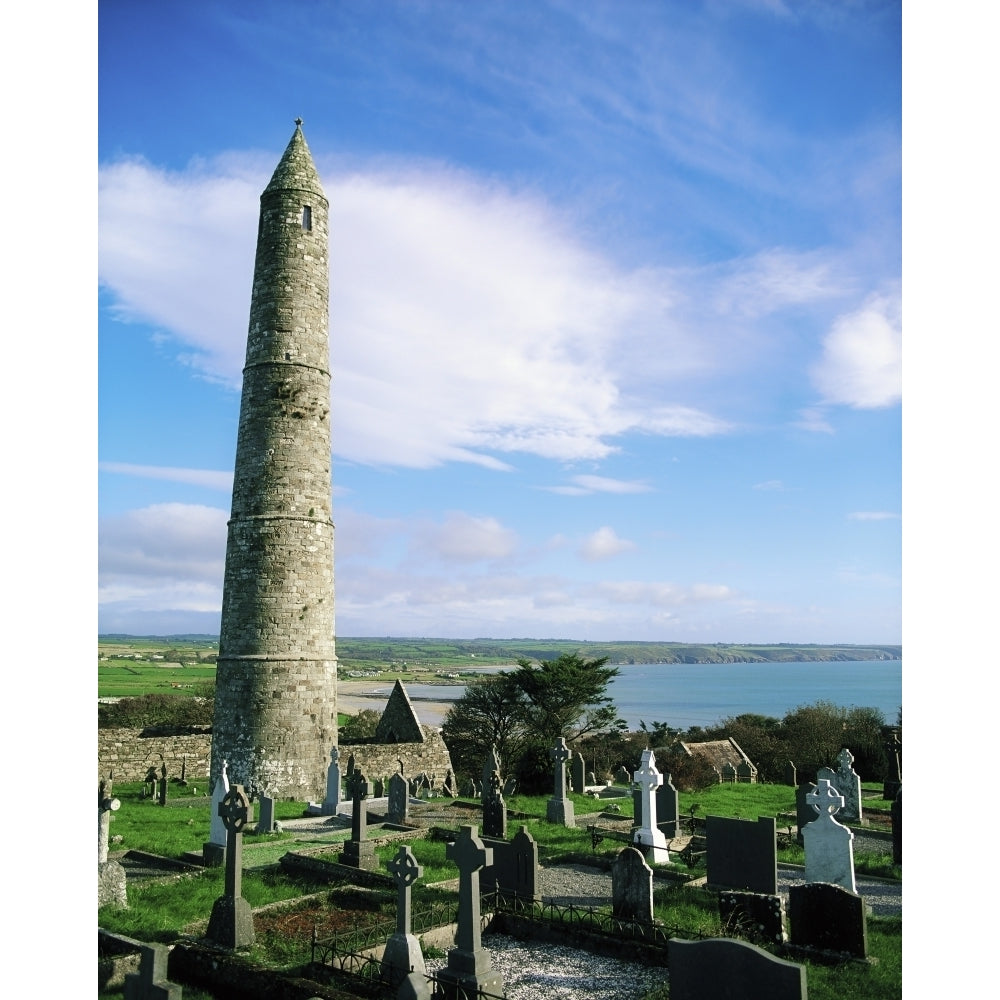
x=149, y=783
x=848, y=784
x=514, y=872
x=790, y=775
x=265, y=820
x=332, y=800
x=491, y=763
x=753, y=916
x=163, y=786
x=402, y=953
x=494, y=808
x=399, y=800
x=828, y=918
x=559, y=809
x=829, y=845
x=231, y=923
x=896, y=814
x=668, y=809
x=719, y=969
x=804, y=813
x=151, y=982
x=213, y=851
x=469, y=967
x=632, y=887
x=649, y=839
x=577, y=770
x=359, y=852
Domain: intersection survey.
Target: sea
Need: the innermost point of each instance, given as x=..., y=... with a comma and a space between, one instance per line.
x=682, y=695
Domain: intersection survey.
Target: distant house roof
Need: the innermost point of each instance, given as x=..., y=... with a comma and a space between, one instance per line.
x=718, y=753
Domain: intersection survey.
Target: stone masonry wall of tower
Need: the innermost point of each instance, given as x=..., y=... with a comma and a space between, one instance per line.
x=276, y=702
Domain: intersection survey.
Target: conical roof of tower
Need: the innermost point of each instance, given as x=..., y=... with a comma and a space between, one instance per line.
x=296, y=170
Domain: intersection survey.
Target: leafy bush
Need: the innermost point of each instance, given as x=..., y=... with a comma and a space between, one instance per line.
x=156, y=711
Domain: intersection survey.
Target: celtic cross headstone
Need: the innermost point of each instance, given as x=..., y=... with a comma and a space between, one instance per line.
x=358, y=852
x=402, y=953
x=829, y=845
x=110, y=874
x=559, y=809
x=649, y=839
x=231, y=923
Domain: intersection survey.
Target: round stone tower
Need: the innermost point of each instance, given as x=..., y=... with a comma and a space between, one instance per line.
x=276, y=684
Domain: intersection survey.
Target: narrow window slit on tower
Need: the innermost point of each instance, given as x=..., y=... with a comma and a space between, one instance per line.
x=307, y=218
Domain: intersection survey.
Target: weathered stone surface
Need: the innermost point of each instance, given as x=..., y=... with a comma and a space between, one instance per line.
x=829, y=918
x=632, y=887
x=719, y=969
x=829, y=845
x=756, y=917
x=742, y=854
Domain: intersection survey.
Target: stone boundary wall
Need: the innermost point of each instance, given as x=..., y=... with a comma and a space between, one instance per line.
x=129, y=753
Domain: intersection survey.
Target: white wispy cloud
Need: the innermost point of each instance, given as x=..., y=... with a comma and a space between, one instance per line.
x=770, y=484
x=584, y=485
x=604, y=544
x=813, y=419
x=210, y=478
x=504, y=333
x=862, y=361
x=464, y=538
x=873, y=515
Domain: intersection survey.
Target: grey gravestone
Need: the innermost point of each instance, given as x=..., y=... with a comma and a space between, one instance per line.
x=559, y=809
x=742, y=854
x=359, y=852
x=162, y=799
x=718, y=969
x=510, y=786
x=231, y=922
x=150, y=982
x=648, y=838
x=848, y=784
x=213, y=851
x=829, y=845
x=468, y=967
x=494, y=808
x=591, y=778
x=265, y=819
x=632, y=887
x=414, y=987
x=896, y=813
x=378, y=788
x=491, y=763
x=753, y=916
x=668, y=808
x=111, y=888
x=622, y=777
x=829, y=918
x=576, y=774
x=149, y=783
x=399, y=799
x=790, y=775
x=402, y=953
x=804, y=813
x=514, y=872
x=893, y=746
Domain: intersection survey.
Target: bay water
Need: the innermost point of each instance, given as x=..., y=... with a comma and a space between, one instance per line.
x=701, y=694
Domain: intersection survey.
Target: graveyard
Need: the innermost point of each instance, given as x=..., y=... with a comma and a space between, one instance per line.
x=320, y=905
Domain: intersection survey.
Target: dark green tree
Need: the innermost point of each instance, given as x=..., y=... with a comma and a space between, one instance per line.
x=492, y=712
x=567, y=696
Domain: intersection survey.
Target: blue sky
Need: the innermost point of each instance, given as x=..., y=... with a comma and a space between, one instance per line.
x=615, y=310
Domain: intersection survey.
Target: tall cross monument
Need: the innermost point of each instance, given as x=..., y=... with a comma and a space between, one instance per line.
x=276, y=695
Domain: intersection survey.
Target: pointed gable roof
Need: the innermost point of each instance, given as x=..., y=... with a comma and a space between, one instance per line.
x=295, y=170
x=399, y=723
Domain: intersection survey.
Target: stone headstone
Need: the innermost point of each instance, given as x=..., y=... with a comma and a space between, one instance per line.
x=720, y=969
x=648, y=838
x=790, y=775
x=848, y=784
x=265, y=817
x=576, y=773
x=591, y=778
x=162, y=786
x=896, y=815
x=829, y=918
x=510, y=786
x=469, y=968
x=111, y=882
x=755, y=917
x=494, y=808
x=378, y=788
x=491, y=763
x=231, y=922
x=559, y=809
x=514, y=872
x=399, y=800
x=742, y=854
x=416, y=986
x=359, y=852
x=151, y=982
x=402, y=953
x=804, y=813
x=829, y=845
x=622, y=777
x=632, y=887
x=893, y=745
x=213, y=851
x=149, y=783
x=668, y=809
